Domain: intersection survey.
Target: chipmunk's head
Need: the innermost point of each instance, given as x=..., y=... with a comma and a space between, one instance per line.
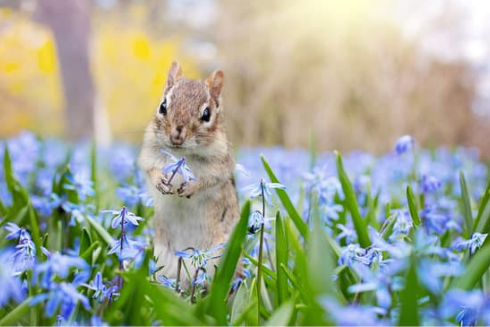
x=189, y=113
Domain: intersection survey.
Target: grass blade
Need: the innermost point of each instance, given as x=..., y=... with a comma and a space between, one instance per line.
x=482, y=221
x=272, y=275
x=18, y=313
x=465, y=197
x=105, y=236
x=477, y=267
x=226, y=269
x=281, y=260
x=282, y=315
x=413, y=207
x=351, y=202
x=85, y=241
x=34, y=222
x=409, y=312
x=286, y=202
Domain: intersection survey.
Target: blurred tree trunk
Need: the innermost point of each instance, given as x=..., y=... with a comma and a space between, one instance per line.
x=70, y=22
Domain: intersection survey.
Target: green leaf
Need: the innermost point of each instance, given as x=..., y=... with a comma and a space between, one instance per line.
x=85, y=241
x=286, y=202
x=20, y=198
x=87, y=254
x=413, y=207
x=16, y=314
x=34, y=223
x=239, y=304
x=106, y=237
x=296, y=284
x=351, y=202
x=3, y=209
x=281, y=259
x=226, y=270
x=319, y=256
x=319, y=272
x=468, y=216
x=482, y=221
x=478, y=266
x=409, y=313
x=265, y=269
x=281, y=316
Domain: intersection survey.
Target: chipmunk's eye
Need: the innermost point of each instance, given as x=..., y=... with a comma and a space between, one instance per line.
x=206, y=115
x=163, y=107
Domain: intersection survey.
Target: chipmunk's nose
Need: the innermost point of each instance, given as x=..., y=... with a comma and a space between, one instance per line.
x=176, y=137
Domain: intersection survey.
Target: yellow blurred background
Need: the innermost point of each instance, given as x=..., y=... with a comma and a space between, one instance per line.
x=356, y=74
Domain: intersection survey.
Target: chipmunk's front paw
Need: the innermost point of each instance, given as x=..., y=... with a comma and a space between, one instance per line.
x=164, y=187
x=186, y=190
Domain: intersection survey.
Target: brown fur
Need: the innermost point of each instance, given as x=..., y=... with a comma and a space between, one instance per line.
x=198, y=214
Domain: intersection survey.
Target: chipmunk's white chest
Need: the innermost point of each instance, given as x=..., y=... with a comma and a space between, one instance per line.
x=180, y=223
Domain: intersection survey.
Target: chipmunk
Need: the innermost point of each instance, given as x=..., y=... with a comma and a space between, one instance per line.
x=197, y=214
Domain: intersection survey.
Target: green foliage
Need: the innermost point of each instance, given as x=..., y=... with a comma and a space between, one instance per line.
x=300, y=274
x=222, y=281
x=286, y=202
x=409, y=315
x=351, y=204
x=465, y=198
x=413, y=207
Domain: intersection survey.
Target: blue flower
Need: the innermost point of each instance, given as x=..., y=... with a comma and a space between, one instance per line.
x=255, y=222
x=438, y=221
x=129, y=194
x=14, y=231
x=81, y=184
x=348, y=233
x=25, y=256
x=169, y=283
x=130, y=248
x=331, y=211
x=201, y=278
x=199, y=259
x=146, y=199
x=64, y=295
x=403, y=223
x=77, y=211
x=430, y=184
x=352, y=315
x=330, y=187
x=9, y=283
x=472, y=244
x=380, y=287
x=98, y=286
x=404, y=144
x=255, y=190
x=350, y=254
x=59, y=265
x=467, y=306
x=430, y=273
x=123, y=216
x=179, y=166
x=122, y=163
x=96, y=321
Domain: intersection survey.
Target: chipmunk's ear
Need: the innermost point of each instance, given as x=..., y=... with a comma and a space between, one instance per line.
x=215, y=83
x=174, y=75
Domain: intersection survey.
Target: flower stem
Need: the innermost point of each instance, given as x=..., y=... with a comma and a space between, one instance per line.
x=121, y=263
x=175, y=170
x=179, y=268
x=194, y=284
x=261, y=249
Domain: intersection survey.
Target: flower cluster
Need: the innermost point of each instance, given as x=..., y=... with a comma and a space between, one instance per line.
x=340, y=242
